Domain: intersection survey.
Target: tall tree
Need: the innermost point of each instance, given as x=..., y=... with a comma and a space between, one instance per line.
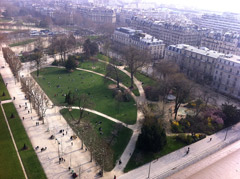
x=83, y=101
x=38, y=55
x=135, y=59
x=90, y=48
x=231, y=114
x=182, y=90
x=113, y=72
x=152, y=137
x=71, y=64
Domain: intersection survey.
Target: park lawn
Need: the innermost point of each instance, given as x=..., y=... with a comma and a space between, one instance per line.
x=9, y=166
x=100, y=67
x=84, y=82
x=3, y=89
x=147, y=81
x=108, y=127
x=29, y=158
x=103, y=57
x=138, y=159
x=25, y=42
x=93, y=37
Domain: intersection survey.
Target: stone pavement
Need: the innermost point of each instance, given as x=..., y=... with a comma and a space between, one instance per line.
x=223, y=164
x=39, y=135
x=176, y=161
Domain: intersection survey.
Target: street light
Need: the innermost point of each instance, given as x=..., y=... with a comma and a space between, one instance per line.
x=149, y=170
x=58, y=148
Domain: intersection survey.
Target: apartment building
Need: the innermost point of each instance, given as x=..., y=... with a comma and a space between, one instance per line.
x=227, y=75
x=228, y=42
x=220, y=22
x=98, y=15
x=139, y=40
x=221, y=71
x=170, y=33
x=197, y=63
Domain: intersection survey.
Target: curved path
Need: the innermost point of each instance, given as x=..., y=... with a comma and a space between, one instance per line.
x=125, y=157
x=100, y=114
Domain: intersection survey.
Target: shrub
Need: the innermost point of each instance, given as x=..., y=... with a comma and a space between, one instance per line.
x=187, y=139
x=55, y=63
x=153, y=137
x=152, y=93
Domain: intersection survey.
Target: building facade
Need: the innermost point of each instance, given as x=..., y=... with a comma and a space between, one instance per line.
x=139, y=40
x=220, y=22
x=98, y=15
x=197, y=63
x=170, y=33
x=221, y=71
x=228, y=43
x=227, y=75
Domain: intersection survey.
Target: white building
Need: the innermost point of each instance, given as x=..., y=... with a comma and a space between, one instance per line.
x=140, y=40
x=219, y=70
x=227, y=75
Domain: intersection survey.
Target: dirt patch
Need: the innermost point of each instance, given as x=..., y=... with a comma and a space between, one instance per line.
x=112, y=86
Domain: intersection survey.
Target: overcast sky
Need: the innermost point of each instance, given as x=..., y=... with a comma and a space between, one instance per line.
x=218, y=5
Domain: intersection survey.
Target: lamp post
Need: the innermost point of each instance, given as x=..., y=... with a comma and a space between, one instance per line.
x=149, y=170
x=58, y=148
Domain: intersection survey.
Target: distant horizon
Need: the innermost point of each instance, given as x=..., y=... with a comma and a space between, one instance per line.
x=209, y=5
x=212, y=5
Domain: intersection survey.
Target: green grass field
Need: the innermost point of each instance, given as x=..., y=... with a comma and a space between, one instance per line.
x=101, y=68
x=108, y=127
x=29, y=158
x=93, y=85
x=25, y=42
x=3, y=89
x=103, y=57
x=147, y=81
x=138, y=159
x=9, y=166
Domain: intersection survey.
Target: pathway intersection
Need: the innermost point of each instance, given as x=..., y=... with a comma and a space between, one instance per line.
x=79, y=159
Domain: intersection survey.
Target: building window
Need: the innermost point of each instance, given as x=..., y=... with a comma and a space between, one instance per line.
x=216, y=72
x=226, y=88
x=229, y=76
x=230, y=69
x=237, y=72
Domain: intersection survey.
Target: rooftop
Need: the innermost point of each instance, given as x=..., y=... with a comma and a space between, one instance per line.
x=138, y=35
x=232, y=58
x=203, y=50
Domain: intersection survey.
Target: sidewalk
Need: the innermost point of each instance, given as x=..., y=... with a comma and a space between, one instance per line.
x=175, y=161
x=39, y=136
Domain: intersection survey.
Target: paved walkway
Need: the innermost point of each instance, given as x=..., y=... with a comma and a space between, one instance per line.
x=103, y=115
x=39, y=135
x=178, y=160
x=223, y=164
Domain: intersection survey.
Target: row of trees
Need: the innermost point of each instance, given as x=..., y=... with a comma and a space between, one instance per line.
x=37, y=98
x=99, y=148
x=13, y=61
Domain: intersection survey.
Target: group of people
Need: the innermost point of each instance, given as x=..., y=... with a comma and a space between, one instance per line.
x=61, y=159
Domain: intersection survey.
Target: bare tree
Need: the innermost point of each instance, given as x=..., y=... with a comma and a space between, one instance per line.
x=113, y=72
x=182, y=89
x=13, y=61
x=38, y=55
x=135, y=59
x=83, y=101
